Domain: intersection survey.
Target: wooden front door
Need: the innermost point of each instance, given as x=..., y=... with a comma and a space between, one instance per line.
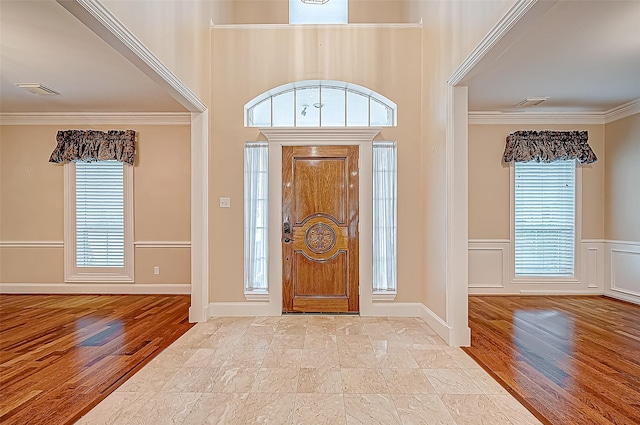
x=320, y=228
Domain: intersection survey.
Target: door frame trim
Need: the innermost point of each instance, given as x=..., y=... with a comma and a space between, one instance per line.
x=362, y=137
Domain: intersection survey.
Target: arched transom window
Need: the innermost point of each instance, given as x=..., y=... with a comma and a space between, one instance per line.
x=320, y=103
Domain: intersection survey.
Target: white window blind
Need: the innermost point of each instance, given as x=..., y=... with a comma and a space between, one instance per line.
x=256, y=187
x=99, y=214
x=384, y=217
x=545, y=214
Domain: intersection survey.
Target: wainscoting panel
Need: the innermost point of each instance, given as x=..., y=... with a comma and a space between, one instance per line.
x=623, y=267
x=488, y=263
x=490, y=266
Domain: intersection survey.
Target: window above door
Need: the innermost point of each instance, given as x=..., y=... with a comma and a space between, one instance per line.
x=320, y=103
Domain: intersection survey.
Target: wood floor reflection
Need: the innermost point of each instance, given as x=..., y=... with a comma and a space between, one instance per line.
x=570, y=360
x=60, y=355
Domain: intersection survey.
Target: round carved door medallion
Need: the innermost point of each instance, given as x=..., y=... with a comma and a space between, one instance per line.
x=320, y=238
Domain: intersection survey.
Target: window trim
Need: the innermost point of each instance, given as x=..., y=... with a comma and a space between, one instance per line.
x=575, y=279
x=72, y=273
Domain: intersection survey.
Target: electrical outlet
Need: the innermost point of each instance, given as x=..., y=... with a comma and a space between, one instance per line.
x=225, y=202
x=156, y=270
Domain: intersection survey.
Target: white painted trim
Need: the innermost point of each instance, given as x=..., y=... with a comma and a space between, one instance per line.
x=488, y=241
x=577, y=258
x=438, y=325
x=279, y=137
x=104, y=24
x=94, y=288
x=329, y=26
x=95, y=118
x=591, y=275
x=198, y=311
x=487, y=46
x=622, y=296
x=222, y=309
x=162, y=244
x=31, y=244
x=530, y=117
x=559, y=292
x=498, y=245
x=384, y=296
x=385, y=309
x=622, y=111
x=494, y=117
x=612, y=288
x=617, y=242
x=457, y=216
x=256, y=296
x=327, y=135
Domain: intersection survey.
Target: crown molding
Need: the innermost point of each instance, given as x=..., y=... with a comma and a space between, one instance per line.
x=95, y=118
x=496, y=35
x=496, y=117
x=105, y=25
x=622, y=111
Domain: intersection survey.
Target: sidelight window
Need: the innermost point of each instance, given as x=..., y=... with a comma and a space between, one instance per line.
x=384, y=218
x=256, y=186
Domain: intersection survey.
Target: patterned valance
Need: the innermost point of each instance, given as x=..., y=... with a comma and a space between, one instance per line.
x=92, y=146
x=548, y=146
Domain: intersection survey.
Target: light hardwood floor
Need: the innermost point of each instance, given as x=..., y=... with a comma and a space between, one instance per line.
x=572, y=360
x=61, y=355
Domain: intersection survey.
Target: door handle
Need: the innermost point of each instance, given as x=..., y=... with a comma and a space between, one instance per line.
x=286, y=232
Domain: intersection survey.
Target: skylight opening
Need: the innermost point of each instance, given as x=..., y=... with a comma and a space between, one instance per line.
x=318, y=11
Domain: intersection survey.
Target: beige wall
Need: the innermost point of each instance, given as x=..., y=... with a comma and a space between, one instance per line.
x=177, y=32
x=489, y=180
x=386, y=60
x=622, y=193
x=451, y=29
x=32, y=200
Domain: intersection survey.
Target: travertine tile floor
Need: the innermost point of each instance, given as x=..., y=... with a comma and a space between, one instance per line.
x=315, y=370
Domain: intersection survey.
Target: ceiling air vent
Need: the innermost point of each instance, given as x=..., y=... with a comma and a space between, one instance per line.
x=36, y=88
x=531, y=101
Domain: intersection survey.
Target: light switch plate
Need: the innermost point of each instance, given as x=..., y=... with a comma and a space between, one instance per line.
x=225, y=202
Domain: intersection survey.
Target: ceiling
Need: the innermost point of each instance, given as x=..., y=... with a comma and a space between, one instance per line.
x=584, y=55
x=41, y=42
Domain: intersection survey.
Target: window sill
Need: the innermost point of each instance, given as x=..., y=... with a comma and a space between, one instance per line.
x=256, y=296
x=384, y=296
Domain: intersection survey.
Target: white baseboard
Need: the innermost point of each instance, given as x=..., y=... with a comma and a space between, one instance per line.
x=437, y=324
x=240, y=309
x=95, y=288
x=382, y=309
x=622, y=296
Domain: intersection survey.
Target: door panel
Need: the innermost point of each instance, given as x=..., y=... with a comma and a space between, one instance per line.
x=320, y=228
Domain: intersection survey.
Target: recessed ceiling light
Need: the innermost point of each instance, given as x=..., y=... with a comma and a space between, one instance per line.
x=36, y=88
x=531, y=101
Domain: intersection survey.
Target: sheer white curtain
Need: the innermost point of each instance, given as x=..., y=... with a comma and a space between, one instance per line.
x=384, y=217
x=256, y=162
